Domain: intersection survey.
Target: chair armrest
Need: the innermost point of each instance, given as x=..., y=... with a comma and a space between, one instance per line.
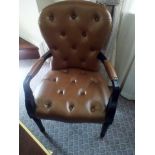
x=36, y=67
x=29, y=99
x=112, y=104
x=110, y=70
x=108, y=67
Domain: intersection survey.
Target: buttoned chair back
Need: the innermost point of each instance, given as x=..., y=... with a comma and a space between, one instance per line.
x=75, y=32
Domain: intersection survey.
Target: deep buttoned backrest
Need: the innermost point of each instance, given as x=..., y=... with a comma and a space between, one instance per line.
x=75, y=31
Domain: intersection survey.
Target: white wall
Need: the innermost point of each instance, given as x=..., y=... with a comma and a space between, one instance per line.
x=29, y=11
x=28, y=22
x=43, y=3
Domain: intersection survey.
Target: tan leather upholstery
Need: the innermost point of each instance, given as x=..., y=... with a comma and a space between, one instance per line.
x=75, y=31
x=74, y=91
x=72, y=95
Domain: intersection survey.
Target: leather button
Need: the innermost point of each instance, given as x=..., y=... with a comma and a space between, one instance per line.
x=73, y=81
x=92, y=49
x=81, y=92
x=73, y=15
x=55, y=79
x=93, y=108
x=96, y=17
x=70, y=106
x=84, y=34
x=83, y=62
x=47, y=104
x=61, y=91
x=65, y=59
x=62, y=33
x=51, y=17
x=65, y=62
x=55, y=47
x=74, y=47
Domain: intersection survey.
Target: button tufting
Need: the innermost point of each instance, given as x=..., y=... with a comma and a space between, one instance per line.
x=55, y=47
x=83, y=62
x=61, y=91
x=73, y=81
x=73, y=15
x=92, y=49
x=84, y=34
x=74, y=47
x=93, y=108
x=65, y=59
x=47, y=104
x=96, y=17
x=55, y=79
x=70, y=106
x=81, y=92
x=51, y=17
x=63, y=33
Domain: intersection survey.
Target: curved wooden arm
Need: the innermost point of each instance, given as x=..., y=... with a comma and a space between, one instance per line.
x=112, y=104
x=110, y=70
x=29, y=98
x=36, y=67
x=108, y=67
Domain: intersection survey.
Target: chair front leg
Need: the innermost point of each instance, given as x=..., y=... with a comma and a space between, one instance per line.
x=39, y=124
x=104, y=129
x=111, y=107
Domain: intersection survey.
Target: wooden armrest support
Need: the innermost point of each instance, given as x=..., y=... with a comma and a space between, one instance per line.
x=108, y=67
x=112, y=104
x=110, y=70
x=29, y=98
x=36, y=67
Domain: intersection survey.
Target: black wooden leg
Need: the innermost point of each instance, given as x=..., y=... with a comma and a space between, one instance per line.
x=104, y=129
x=39, y=124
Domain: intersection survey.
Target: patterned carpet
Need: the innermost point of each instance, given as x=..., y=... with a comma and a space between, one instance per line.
x=82, y=139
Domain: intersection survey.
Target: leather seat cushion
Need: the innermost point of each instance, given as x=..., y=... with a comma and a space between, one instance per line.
x=72, y=95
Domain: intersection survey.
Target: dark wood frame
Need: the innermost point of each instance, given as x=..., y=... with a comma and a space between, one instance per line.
x=110, y=109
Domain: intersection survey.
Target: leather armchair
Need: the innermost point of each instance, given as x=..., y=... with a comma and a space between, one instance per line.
x=74, y=90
